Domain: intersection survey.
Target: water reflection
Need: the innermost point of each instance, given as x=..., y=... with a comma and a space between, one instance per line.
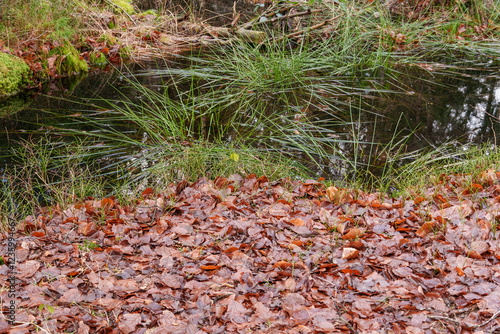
x=435, y=108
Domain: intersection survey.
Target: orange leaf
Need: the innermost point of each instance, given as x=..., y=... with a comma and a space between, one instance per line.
x=477, y=187
x=147, y=192
x=73, y=273
x=351, y=271
x=419, y=199
x=460, y=272
x=403, y=241
x=282, y=265
x=425, y=228
x=210, y=267
x=440, y=198
x=475, y=255
x=297, y=242
x=107, y=203
x=331, y=192
x=38, y=235
x=297, y=222
x=353, y=234
x=231, y=249
x=440, y=220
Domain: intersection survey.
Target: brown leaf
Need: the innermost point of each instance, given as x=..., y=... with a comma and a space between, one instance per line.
x=128, y=322
x=425, y=229
x=349, y=253
x=147, y=192
x=282, y=265
x=353, y=234
x=331, y=192
x=474, y=255
x=28, y=268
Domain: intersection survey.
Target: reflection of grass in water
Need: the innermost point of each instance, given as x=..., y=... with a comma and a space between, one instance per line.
x=235, y=113
x=12, y=105
x=246, y=98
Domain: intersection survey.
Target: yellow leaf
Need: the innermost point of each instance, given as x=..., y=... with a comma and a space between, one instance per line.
x=235, y=156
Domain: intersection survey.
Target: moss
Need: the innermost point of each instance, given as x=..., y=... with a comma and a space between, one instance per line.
x=97, y=58
x=126, y=5
x=69, y=61
x=125, y=52
x=150, y=12
x=14, y=74
x=109, y=39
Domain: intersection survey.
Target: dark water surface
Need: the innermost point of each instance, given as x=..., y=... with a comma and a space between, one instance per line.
x=434, y=108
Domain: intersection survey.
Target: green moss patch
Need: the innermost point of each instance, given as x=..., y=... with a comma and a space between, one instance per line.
x=14, y=74
x=68, y=61
x=97, y=58
x=125, y=5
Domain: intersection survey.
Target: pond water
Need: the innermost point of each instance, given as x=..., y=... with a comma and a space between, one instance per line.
x=429, y=108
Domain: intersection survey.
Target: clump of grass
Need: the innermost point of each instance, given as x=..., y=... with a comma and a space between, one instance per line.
x=47, y=19
x=47, y=172
x=426, y=168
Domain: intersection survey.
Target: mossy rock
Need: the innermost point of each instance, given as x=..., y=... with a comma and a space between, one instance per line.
x=69, y=61
x=14, y=74
x=126, y=5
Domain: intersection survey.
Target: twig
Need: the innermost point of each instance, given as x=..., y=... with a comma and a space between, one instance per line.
x=250, y=23
x=438, y=317
x=297, y=33
x=487, y=322
x=287, y=16
x=316, y=26
x=461, y=323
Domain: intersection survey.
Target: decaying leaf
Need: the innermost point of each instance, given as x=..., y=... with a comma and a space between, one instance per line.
x=349, y=253
x=353, y=233
x=269, y=256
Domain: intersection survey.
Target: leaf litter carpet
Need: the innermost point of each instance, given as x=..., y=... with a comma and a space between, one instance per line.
x=245, y=255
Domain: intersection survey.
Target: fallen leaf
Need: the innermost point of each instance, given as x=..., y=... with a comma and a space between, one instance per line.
x=349, y=253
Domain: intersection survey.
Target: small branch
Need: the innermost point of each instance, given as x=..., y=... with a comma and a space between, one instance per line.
x=487, y=322
x=251, y=23
x=307, y=30
x=284, y=17
x=316, y=26
x=437, y=317
x=461, y=323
